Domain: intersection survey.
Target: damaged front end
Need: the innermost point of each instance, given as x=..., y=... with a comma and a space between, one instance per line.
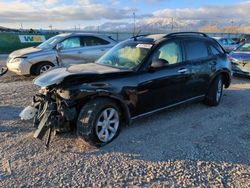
x=50, y=114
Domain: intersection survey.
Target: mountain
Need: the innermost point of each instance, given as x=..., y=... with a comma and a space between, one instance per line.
x=157, y=25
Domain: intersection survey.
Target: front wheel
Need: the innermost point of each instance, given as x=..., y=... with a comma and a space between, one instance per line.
x=99, y=121
x=214, y=94
x=42, y=68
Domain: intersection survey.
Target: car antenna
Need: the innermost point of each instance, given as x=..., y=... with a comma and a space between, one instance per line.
x=137, y=35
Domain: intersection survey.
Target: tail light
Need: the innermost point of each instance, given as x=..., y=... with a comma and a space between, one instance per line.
x=230, y=58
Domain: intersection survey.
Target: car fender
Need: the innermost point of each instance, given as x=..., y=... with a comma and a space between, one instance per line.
x=224, y=72
x=118, y=100
x=42, y=57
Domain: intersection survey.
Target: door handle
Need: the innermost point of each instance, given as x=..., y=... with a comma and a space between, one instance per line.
x=213, y=63
x=183, y=70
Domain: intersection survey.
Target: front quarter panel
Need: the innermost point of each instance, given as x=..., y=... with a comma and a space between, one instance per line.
x=43, y=56
x=122, y=88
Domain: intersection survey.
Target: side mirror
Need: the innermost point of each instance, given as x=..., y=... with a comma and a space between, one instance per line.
x=59, y=47
x=158, y=63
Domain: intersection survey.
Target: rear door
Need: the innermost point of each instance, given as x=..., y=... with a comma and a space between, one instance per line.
x=93, y=48
x=202, y=64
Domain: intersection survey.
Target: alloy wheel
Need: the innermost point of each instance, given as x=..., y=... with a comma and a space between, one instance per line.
x=45, y=68
x=219, y=91
x=107, y=124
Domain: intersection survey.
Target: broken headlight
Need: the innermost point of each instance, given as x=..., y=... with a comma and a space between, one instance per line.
x=65, y=94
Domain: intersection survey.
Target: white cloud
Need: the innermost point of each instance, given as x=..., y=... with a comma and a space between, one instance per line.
x=37, y=11
x=50, y=2
x=21, y=11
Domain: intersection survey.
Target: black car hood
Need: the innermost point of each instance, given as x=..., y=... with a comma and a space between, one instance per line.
x=58, y=75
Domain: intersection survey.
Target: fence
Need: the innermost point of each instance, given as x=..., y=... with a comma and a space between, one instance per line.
x=10, y=41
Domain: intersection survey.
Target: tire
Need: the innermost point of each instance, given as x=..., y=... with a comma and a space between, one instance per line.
x=42, y=67
x=94, y=127
x=215, y=91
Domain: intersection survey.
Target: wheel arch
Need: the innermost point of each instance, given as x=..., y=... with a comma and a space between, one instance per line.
x=34, y=66
x=121, y=104
x=226, y=77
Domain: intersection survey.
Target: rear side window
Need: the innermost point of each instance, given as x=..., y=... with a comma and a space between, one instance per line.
x=196, y=49
x=214, y=50
x=93, y=41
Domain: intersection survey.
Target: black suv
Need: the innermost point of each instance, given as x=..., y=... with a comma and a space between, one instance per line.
x=135, y=78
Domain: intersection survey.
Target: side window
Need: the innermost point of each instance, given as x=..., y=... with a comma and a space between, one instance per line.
x=218, y=47
x=73, y=42
x=196, y=49
x=223, y=41
x=93, y=41
x=171, y=52
x=215, y=50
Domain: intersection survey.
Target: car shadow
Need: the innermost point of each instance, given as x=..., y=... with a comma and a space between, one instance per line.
x=10, y=121
x=9, y=112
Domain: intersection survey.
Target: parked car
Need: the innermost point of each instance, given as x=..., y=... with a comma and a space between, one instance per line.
x=60, y=50
x=227, y=43
x=245, y=37
x=137, y=77
x=240, y=59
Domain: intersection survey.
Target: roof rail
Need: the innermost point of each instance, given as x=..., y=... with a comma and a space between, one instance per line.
x=187, y=33
x=137, y=36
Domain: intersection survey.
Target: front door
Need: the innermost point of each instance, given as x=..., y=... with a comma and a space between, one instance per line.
x=71, y=51
x=162, y=87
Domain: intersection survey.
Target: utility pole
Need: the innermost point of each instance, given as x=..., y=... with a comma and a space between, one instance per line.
x=172, y=25
x=134, y=23
x=50, y=26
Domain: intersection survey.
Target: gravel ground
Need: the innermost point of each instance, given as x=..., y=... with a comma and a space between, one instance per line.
x=188, y=146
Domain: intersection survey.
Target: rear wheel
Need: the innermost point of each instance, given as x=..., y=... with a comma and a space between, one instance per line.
x=99, y=121
x=214, y=94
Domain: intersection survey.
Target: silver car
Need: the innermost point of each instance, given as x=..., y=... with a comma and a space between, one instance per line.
x=60, y=50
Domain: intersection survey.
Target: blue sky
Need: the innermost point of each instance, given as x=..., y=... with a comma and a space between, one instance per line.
x=159, y=4
x=67, y=14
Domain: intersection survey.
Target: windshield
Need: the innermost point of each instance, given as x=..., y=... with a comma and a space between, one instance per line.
x=126, y=55
x=244, y=48
x=50, y=43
